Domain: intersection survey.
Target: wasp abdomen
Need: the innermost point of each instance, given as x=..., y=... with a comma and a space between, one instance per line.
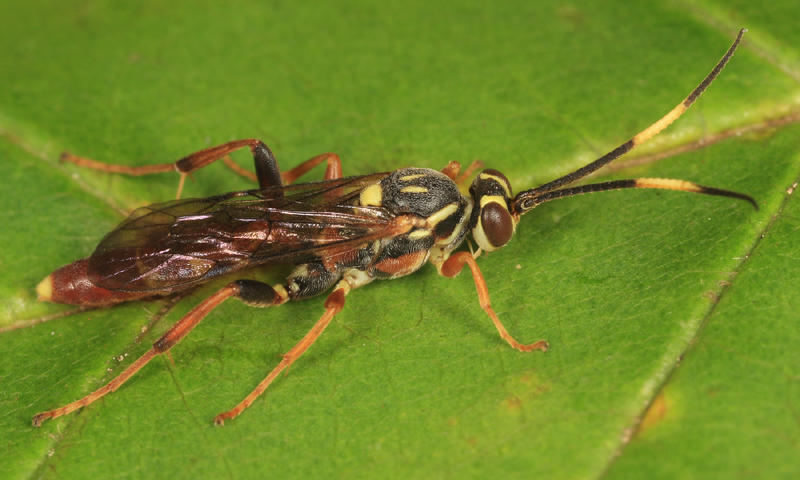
x=70, y=284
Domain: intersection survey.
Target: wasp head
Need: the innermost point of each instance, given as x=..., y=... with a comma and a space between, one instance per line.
x=493, y=223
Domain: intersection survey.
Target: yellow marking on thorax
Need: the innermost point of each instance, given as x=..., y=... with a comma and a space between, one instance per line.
x=413, y=176
x=417, y=234
x=436, y=217
x=489, y=176
x=371, y=196
x=414, y=189
x=459, y=228
x=661, y=124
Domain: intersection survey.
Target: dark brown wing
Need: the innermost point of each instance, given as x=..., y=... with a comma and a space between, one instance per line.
x=175, y=244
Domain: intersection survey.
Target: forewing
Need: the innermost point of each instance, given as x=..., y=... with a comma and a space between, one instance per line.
x=174, y=244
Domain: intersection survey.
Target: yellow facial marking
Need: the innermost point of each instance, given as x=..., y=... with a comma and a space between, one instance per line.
x=406, y=178
x=45, y=289
x=478, y=234
x=371, y=196
x=500, y=180
x=480, y=238
x=414, y=189
x=493, y=198
x=661, y=124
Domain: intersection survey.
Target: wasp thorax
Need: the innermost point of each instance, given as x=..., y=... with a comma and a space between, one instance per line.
x=494, y=224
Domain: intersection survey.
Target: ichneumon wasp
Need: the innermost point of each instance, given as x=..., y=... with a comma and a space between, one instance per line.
x=340, y=233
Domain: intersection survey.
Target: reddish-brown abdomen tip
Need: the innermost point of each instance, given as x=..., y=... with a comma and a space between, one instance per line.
x=70, y=284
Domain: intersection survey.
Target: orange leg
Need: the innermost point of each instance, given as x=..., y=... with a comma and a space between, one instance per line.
x=253, y=293
x=453, y=265
x=333, y=171
x=333, y=304
x=266, y=166
x=185, y=165
x=238, y=170
x=267, y=173
x=464, y=177
x=453, y=168
x=167, y=341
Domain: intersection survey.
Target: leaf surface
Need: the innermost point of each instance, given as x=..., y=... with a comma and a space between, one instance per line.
x=652, y=301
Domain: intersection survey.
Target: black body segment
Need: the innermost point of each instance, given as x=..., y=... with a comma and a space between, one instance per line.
x=418, y=191
x=311, y=279
x=267, y=171
x=257, y=294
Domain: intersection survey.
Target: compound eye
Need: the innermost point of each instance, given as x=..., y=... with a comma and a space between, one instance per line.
x=497, y=225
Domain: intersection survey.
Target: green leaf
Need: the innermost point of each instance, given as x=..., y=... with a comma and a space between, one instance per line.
x=676, y=304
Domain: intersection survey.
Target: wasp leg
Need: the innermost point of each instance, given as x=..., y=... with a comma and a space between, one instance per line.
x=333, y=304
x=305, y=281
x=461, y=179
x=451, y=170
x=173, y=336
x=332, y=172
x=452, y=267
x=267, y=172
x=254, y=293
